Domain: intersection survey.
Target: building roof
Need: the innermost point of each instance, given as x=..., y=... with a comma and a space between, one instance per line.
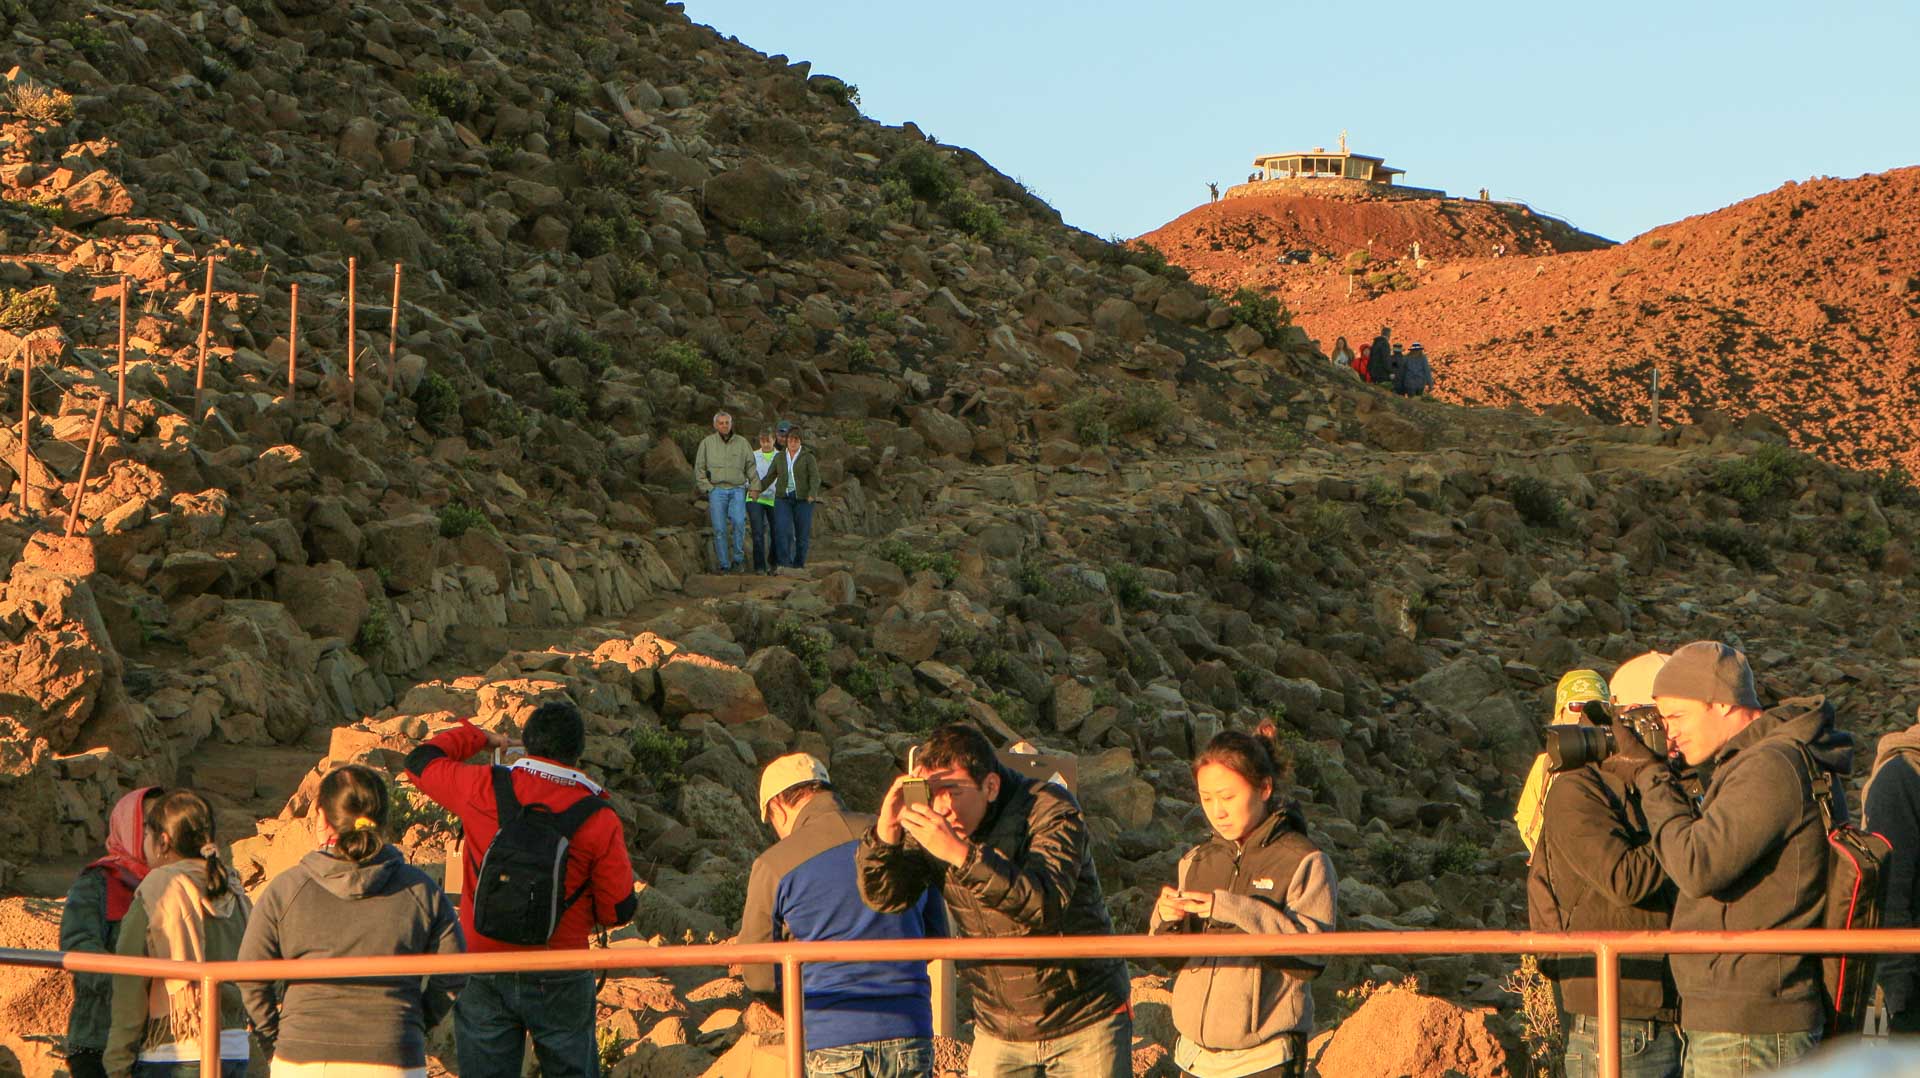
x=1380, y=162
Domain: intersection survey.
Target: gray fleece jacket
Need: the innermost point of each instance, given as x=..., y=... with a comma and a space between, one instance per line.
x=1752, y=856
x=329, y=907
x=1231, y=1004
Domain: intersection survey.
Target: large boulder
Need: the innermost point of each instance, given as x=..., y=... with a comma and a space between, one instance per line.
x=325, y=600
x=403, y=550
x=1399, y=1033
x=783, y=683
x=754, y=197
x=693, y=683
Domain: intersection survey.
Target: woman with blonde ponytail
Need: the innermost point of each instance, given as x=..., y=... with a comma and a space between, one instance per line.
x=355, y=895
x=186, y=908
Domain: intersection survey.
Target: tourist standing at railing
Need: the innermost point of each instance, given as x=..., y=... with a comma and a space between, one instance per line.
x=90, y=921
x=542, y=794
x=1594, y=870
x=1892, y=808
x=1011, y=857
x=1258, y=874
x=354, y=896
x=863, y=1019
x=187, y=909
x=1750, y=855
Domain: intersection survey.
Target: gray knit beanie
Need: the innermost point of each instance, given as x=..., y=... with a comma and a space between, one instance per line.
x=1710, y=672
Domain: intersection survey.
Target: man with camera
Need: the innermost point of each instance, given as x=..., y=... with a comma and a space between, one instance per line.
x=1594, y=870
x=1012, y=857
x=1751, y=855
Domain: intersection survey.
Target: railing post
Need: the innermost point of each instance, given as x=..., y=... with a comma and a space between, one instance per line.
x=86, y=467
x=209, y=1026
x=1606, y=976
x=393, y=328
x=793, y=1002
x=200, y=365
x=26, y=420
x=353, y=336
x=120, y=401
x=293, y=338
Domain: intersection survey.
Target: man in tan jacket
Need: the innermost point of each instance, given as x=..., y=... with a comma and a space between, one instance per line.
x=722, y=467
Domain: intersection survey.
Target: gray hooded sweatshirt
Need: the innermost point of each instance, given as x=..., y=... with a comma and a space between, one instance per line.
x=329, y=907
x=1751, y=856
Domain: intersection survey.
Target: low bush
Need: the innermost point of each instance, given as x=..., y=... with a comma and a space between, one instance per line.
x=1260, y=312
x=866, y=679
x=684, y=362
x=28, y=308
x=567, y=403
x=810, y=644
x=459, y=518
x=1737, y=544
x=925, y=172
x=444, y=93
x=573, y=341
x=1537, y=501
x=436, y=404
x=1124, y=582
x=658, y=754
x=41, y=104
x=912, y=559
x=1760, y=479
x=375, y=633
x=1142, y=409
x=972, y=216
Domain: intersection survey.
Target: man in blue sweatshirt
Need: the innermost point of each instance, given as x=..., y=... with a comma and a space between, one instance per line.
x=863, y=1019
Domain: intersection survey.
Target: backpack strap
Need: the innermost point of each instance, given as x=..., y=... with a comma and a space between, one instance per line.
x=569, y=820
x=505, y=804
x=1820, y=783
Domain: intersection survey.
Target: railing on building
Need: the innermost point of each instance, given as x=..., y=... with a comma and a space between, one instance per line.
x=1606, y=947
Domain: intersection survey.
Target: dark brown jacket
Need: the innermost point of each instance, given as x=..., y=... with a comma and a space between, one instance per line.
x=1595, y=871
x=1030, y=873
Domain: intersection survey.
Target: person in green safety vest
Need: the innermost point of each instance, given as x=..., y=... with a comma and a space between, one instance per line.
x=760, y=518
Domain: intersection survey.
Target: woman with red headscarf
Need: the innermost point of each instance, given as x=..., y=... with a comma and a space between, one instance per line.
x=91, y=922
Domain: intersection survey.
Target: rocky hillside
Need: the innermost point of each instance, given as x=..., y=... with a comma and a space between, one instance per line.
x=1070, y=494
x=1801, y=305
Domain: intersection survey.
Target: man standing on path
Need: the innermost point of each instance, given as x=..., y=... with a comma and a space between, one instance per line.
x=796, y=484
x=1415, y=372
x=1382, y=351
x=722, y=468
x=766, y=540
x=1012, y=857
x=1751, y=855
x=496, y=1012
x=1213, y=192
x=864, y=1019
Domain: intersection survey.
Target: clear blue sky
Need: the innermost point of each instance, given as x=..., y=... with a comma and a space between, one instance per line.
x=1619, y=116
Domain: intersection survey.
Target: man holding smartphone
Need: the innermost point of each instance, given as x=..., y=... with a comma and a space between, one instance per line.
x=1011, y=856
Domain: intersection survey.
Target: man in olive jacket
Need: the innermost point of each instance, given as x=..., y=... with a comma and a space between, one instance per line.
x=1751, y=856
x=795, y=480
x=722, y=470
x=1011, y=857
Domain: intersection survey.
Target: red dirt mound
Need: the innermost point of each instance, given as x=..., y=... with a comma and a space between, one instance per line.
x=1240, y=241
x=1802, y=304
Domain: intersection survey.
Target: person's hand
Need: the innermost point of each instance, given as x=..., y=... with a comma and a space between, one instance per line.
x=1630, y=748
x=1197, y=903
x=888, y=825
x=1168, y=908
x=497, y=739
x=934, y=834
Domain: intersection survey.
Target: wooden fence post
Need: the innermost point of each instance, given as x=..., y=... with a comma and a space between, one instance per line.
x=120, y=402
x=86, y=467
x=353, y=340
x=1653, y=417
x=293, y=338
x=393, y=329
x=200, y=367
x=26, y=419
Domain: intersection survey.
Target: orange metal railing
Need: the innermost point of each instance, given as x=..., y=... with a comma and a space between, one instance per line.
x=1606, y=947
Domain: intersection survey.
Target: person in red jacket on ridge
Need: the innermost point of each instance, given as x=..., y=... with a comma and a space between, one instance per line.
x=497, y=1011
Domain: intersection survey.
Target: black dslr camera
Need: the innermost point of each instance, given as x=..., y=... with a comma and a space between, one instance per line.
x=1569, y=747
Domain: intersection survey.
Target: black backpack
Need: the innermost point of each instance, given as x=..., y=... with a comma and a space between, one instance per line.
x=517, y=897
x=1857, y=883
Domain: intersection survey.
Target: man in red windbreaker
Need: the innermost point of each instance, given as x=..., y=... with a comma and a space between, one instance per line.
x=496, y=1012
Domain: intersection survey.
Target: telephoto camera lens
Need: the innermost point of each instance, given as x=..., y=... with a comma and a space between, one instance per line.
x=1569, y=747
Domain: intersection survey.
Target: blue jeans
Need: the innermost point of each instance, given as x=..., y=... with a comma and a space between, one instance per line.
x=1101, y=1050
x=229, y=1068
x=793, y=529
x=1648, y=1049
x=497, y=1011
x=727, y=509
x=766, y=540
x=901, y=1057
x=1736, y=1055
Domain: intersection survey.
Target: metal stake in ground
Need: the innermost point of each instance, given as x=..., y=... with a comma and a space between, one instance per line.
x=200, y=367
x=86, y=466
x=1653, y=415
x=26, y=420
x=393, y=328
x=293, y=338
x=120, y=402
x=353, y=339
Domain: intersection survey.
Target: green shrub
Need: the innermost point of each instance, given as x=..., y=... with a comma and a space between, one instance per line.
x=1324, y=521
x=1357, y=260
x=376, y=632
x=1125, y=583
x=1537, y=501
x=41, y=104
x=1380, y=493
x=727, y=899
x=972, y=216
x=1087, y=417
x=505, y=418
x=809, y=644
x=1760, y=479
x=87, y=37
x=459, y=518
x=436, y=404
x=925, y=172
x=1894, y=488
x=568, y=404
x=1459, y=856
x=409, y=808
x=1737, y=544
x=573, y=341
x=685, y=362
x=603, y=167
x=444, y=93
x=658, y=754
x=688, y=437
x=1142, y=408
x=28, y=308
x=592, y=237
x=631, y=278
x=1395, y=861
x=913, y=559
x=1261, y=312
x=1859, y=535
x=867, y=679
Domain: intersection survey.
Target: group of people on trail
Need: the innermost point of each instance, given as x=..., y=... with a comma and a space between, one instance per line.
x=1408, y=373
x=1670, y=797
x=766, y=492
x=163, y=891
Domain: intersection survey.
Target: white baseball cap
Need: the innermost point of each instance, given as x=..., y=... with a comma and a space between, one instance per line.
x=787, y=772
